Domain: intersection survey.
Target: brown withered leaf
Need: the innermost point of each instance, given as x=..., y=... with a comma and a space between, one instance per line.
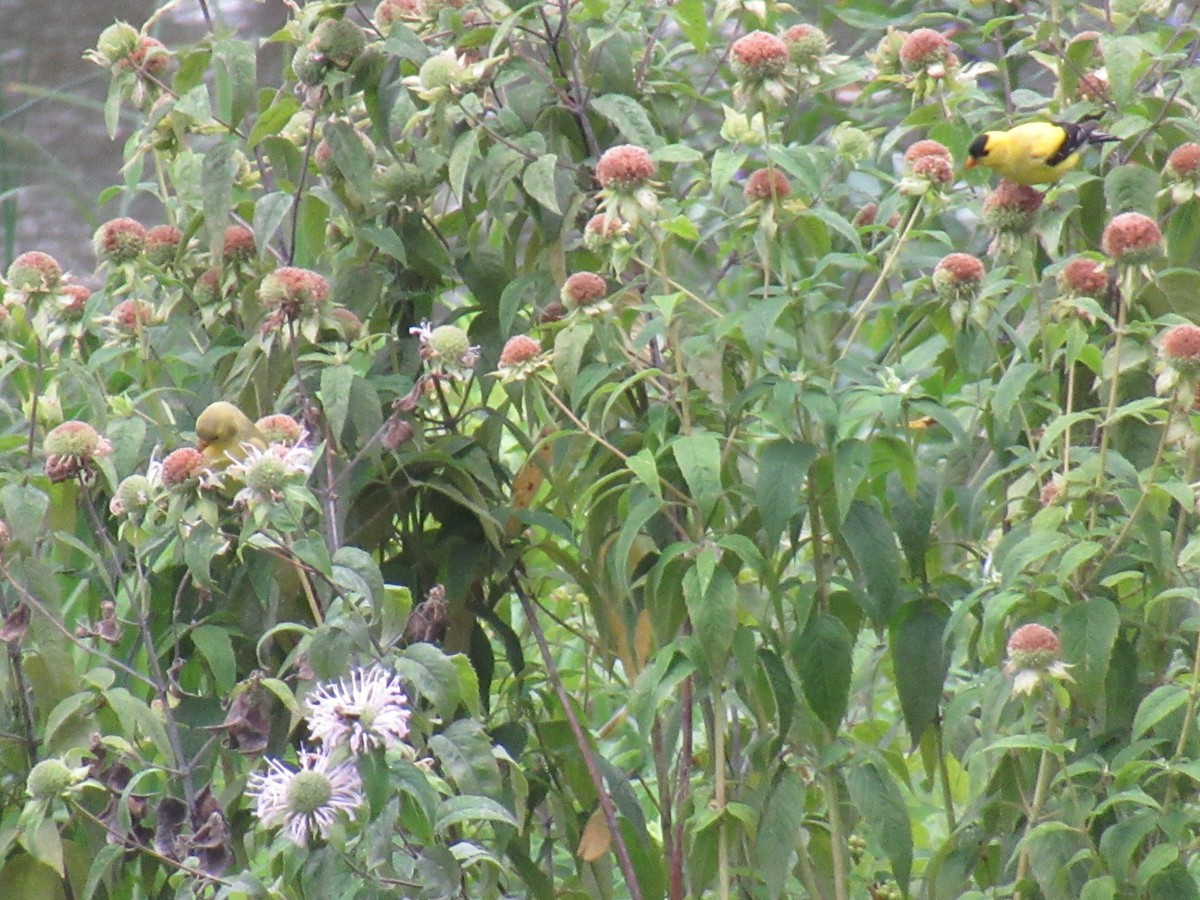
x=248, y=721
x=16, y=623
x=428, y=621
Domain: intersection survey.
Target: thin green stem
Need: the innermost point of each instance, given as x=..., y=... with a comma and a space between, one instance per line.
x=837, y=837
x=1189, y=719
x=944, y=772
x=724, y=878
x=1109, y=409
x=1040, y=789
x=860, y=314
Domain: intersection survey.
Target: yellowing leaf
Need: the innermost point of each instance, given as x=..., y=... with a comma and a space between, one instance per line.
x=596, y=839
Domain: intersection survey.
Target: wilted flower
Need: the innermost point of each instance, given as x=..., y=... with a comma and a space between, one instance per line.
x=624, y=168
x=72, y=301
x=584, y=290
x=1083, y=277
x=957, y=276
x=367, y=712
x=267, y=472
x=52, y=778
x=238, y=244
x=1182, y=172
x=308, y=801
x=447, y=345
x=766, y=185
x=806, y=45
x=1033, y=654
x=337, y=42
x=132, y=498
x=295, y=293
x=1180, y=347
x=183, y=468
x=388, y=12
x=1132, y=239
x=130, y=317
x=928, y=57
x=927, y=166
x=521, y=356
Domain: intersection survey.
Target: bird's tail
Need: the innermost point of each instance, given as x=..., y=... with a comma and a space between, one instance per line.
x=1089, y=135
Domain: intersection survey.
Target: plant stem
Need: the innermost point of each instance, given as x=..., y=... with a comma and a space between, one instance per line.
x=589, y=758
x=1110, y=407
x=944, y=772
x=860, y=314
x=719, y=788
x=837, y=837
x=1040, y=788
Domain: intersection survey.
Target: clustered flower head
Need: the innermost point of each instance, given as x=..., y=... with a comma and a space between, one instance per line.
x=237, y=245
x=1083, y=277
x=279, y=428
x=602, y=231
x=292, y=294
x=184, y=468
x=133, y=496
x=34, y=274
x=388, y=12
x=130, y=317
x=71, y=449
x=767, y=185
x=119, y=240
x=72, y=301
x=267, y=473
x=1132, y=239
x=1180, y=349
x=368, y=711
x=759, y=60
x=162, y=244
x=1034, y=653
x=806, y=45
x=446, y=345
x=1010, y=211
x=584, y=291
x=624, y=174
x=1182, y=172
x=521, y=356
x=958, y=276
x=308, y=801
x=927, y=57
x=927, y=167
x=52, y=778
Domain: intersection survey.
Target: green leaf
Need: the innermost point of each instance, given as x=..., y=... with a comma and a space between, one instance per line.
x=465, y=752
x=350, y=156
x=878, y=798
x=1131, y=188
x=214, y=645
x=872, y=545
x=25, y=509
x=235, y=79
x=920, y=660
x=1159, y=703
x=713, y=610
x=780, y=483
x=461, y=810
x=465, y=152
x=628, y=117
x=779, y=830
x=269, y=214
x=434, y=676
x=217, y=173
x=822, y=655
x=692, y=18
x=1089, y=632
x=851, y=462
x=913, y=516
x=336, y=382
x=699, y=458
x=538, y=180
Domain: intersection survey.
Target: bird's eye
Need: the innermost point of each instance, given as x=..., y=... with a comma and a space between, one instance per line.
x=979, y=147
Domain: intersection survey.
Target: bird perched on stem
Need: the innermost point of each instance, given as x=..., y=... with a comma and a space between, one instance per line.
x=1036, y=152
x=222, y=430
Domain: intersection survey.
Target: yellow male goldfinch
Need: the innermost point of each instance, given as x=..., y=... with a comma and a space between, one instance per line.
x=221, y=430
x=1036, y=152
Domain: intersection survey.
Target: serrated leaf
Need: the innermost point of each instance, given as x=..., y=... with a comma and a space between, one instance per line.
x=822, y=654
x=692, y=18
x=699, y=459
x=1158, y=704
x=1089, y=632
x=921, y=663
x=780, y=484
x=214, y=645
x=1131, y=188
x=878, y=798
x=872, y=545
x=712, y=607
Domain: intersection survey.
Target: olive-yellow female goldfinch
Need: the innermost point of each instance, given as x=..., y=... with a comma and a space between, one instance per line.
x=1036, y=152
x=221, y=430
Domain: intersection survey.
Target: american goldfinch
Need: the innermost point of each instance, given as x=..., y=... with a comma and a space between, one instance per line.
x=1036, y=152
x=221, y=431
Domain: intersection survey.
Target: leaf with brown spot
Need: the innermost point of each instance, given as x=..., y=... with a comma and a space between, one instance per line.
x=15, y=625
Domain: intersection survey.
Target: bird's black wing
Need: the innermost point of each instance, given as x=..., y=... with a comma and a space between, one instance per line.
x=1074, y=137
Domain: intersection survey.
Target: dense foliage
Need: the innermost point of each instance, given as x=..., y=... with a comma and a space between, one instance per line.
x=672, y=475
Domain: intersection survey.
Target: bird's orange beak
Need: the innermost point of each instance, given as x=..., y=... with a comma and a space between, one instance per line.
x=971, y=163
x=201, y=444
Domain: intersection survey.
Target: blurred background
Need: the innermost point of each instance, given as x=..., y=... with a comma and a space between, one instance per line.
x=55, y=157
